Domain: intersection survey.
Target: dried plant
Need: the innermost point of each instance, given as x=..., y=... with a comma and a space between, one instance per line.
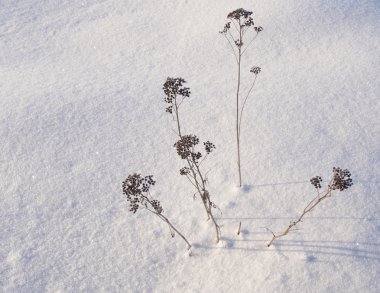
x=136, y=188
x=243, y=25
x=341, y=180
x=175, y=93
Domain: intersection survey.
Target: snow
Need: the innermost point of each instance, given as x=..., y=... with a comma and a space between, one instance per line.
x=81, y=107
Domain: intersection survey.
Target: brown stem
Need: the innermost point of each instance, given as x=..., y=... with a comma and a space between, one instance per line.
x=237, y=106
x=245, y=100
x=312, y=204
x=200, y=186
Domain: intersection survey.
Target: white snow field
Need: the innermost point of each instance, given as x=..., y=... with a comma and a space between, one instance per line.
x=82, y=107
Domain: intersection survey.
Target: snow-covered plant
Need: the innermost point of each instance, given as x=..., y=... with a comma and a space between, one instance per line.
x=237, y=31
x=136, y=188
x=175, y=93
x=341, y=180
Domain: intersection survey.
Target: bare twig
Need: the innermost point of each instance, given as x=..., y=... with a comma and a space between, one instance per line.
x=340, y=181
x=238, y=232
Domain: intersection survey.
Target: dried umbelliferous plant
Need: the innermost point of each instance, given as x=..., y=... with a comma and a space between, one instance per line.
x=239, y=29
x=175, y=93
x=341, y=180
x=136, y=188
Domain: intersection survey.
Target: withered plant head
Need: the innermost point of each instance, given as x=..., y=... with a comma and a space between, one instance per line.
x=227, y=26
x=244, y=19
x=184, y=171
x=185, y=147
x=239, y=13
x=209, y=146
x=255, y=70
x=173, y=87
x=316, y=181
x=136, y=188
x=341, y=179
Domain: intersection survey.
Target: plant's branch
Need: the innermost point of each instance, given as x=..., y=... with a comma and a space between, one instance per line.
x=204, y=158
x=249, y=43
x=233, y=22
x=192, y=183
x=177, y=115
x=179, y=104
x=245, y=100
x=199, y=184
x=174, y=228
x=232, y=48
x=308, y=209
x=237, y=107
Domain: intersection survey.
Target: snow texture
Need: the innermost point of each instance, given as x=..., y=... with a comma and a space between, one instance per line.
x=81, y=107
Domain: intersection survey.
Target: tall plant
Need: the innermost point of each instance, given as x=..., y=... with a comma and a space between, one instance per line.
x=175, y=94
x=236, y=35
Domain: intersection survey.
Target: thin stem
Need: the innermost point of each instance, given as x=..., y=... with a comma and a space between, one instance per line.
x=174, y=228
x=249, y=43
x=245, y=100
x=199, y=184
x=237, y=108
x=307, y=209
x=233, y=22
x=232, y=47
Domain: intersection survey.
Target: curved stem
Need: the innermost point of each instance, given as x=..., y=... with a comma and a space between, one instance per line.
x=308, y=209
x=245, y=100
x=249, y=43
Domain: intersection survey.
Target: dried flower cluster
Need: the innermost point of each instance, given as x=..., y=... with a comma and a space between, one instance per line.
x=316, y=181
x=185, y=147
x=209, y=146
x=341, y=179
x=134, y=188
x=255, y=70
x=173, y=87
x=239, y=14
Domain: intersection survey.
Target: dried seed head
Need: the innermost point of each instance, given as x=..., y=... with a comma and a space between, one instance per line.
x=134, y=186
x=255, y=70
x=184, y=171
x=157, y=206
x=173, y=87
x=239, y=13
x=209, y=146
x=186, y=145
x=316, y=181
x=341, y=179
x=227, y=26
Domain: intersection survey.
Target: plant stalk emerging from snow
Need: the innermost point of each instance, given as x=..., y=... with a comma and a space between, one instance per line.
x=175, y=93
x=136, y=188
x=341, y=180
x=242, y=23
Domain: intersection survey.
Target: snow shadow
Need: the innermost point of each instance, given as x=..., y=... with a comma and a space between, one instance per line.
x=310, y=248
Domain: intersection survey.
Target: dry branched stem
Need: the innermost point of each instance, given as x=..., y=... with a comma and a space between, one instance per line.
x=341, y=180
x=175, y=91
x=238, y=232
x=136, y=189
x=242, y=22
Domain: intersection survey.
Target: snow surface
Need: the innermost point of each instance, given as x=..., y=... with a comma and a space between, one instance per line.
x=81, y=107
